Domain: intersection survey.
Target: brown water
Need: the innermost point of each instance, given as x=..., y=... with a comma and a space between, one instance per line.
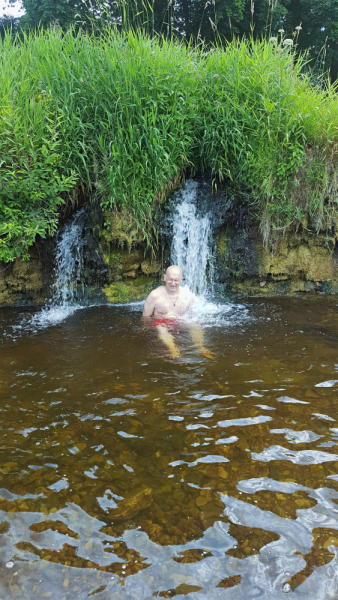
x=127, y=475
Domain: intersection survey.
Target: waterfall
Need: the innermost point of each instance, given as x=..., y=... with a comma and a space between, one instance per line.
x=68, y=272
x=69, y=262
x=191, y=243
x=190, y=224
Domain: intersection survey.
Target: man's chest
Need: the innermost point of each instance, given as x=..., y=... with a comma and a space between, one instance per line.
x=171, y=304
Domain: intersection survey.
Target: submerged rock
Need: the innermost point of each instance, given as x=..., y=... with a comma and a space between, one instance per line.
x=129, y=507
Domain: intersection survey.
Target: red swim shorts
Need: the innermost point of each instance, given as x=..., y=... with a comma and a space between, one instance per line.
x=166, y=322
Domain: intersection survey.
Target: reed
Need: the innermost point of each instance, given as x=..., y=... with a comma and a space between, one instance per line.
x=120, y=116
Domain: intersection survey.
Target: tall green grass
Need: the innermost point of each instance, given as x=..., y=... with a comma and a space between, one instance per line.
x=121, y=117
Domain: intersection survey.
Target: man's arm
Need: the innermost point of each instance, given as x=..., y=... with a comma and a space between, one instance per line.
x=149, y=305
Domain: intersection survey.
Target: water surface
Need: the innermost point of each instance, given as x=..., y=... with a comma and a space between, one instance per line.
x=127, y=475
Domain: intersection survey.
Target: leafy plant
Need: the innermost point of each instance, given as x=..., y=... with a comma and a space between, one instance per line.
x=122, y=117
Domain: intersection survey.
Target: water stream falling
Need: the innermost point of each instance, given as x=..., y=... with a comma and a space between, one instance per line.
x=69, y=262
x=191, y=244
x=68, y=274
x=192, y=250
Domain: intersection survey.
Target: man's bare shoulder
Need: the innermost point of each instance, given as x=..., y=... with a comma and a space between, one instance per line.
x=157, y=292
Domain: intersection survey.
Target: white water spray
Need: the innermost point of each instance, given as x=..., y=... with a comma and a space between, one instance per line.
x=191, y=249
x=191, y=244
x=69, y=262
x=68, y=271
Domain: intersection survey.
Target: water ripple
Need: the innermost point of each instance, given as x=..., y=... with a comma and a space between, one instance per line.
x=302, y=457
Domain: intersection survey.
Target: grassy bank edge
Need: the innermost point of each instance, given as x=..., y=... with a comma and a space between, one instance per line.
x=121, y=117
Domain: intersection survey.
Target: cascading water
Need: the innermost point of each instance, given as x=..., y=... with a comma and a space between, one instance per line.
x=191, y=249
x=191, y=243
x=190, y=225
x=69, y=262
x=68, y=272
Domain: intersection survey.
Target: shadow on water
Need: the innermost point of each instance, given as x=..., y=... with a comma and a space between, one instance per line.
x=126, y=475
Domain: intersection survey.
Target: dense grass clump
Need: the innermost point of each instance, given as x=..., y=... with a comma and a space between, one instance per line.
x=122, y=117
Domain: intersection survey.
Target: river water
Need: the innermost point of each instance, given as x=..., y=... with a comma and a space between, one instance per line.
x=125, y=474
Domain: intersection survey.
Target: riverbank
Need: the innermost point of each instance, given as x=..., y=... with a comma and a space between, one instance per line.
x=217, y=238
x=121, y=119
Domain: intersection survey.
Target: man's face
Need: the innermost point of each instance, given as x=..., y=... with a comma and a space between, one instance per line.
x=173, y=279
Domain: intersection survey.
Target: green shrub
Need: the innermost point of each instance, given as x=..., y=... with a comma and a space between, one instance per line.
x=120, y=117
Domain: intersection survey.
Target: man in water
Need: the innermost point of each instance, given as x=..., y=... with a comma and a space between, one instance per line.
x=166, y=304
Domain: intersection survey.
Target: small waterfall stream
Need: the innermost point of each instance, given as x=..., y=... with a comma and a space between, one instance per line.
x=68, y=274
x=69, y=262
x=192, y=250
x=191, y=244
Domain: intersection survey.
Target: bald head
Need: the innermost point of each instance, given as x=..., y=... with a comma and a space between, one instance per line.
x=174, y=269
x=173, y=279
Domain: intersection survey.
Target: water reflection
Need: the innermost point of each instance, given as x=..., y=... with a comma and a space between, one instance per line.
x=125, y=475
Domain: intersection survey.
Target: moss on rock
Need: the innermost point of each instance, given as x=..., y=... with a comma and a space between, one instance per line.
x=120, y=228
x=21, y=282
x=133, y=290
x=303, y=261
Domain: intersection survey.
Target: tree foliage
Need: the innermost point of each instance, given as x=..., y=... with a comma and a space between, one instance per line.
x=207, y=20
x=46, y=12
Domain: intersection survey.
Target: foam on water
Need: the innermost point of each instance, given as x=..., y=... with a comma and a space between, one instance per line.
x=52, y=315
x=215, y=314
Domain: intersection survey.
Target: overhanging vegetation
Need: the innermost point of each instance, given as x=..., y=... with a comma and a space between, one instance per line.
x=122, y=116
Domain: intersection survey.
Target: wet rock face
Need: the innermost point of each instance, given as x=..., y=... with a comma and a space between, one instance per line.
x=130, y=290
x=116, y=265
x=299, y=261
x=22, y=282
x=132, y=274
